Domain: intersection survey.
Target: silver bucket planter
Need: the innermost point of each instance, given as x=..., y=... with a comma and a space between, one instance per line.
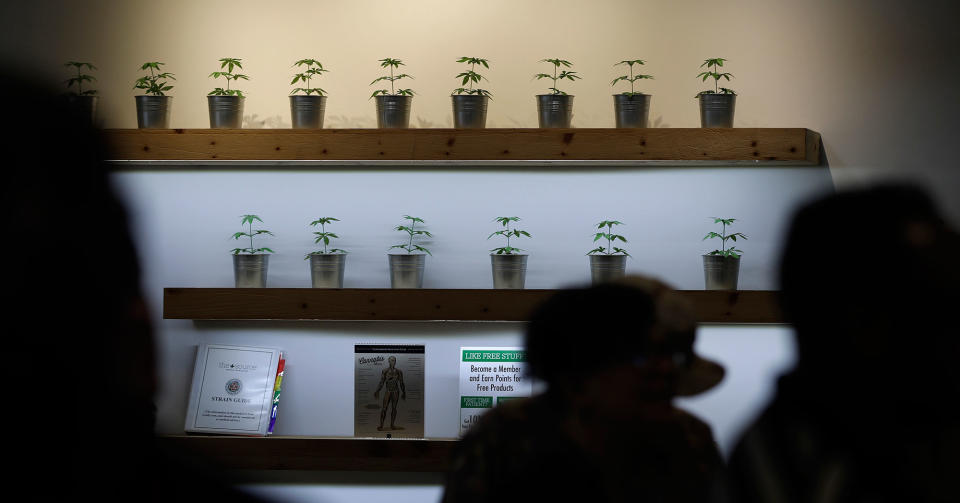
x=721, y=273
x=469, y=111
x=153, y=112
x=606, y=268
x=306, y=112
x=406, y=270
x=393, y=112
x=554, y=110
x=509, y=271
x=250, y=271
x=226, y=112
x=85, y=107
x=326, y=269
x=716, y=110
x=631, y=110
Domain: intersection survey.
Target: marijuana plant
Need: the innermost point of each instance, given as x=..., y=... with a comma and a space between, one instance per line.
x=610, y=237
x=630, y=78
x=229, y=64
x=391, y=64
x=412, y=231
x=154, y=83
x=81, y=78
x=564, y=74
x=248, y=219
x=732, y=252
x=507, y=232
x=472, y=77
x=324, y=237
x=715, y=64
x=314, y=69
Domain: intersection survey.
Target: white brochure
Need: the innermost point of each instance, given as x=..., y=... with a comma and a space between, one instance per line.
x=489, y=377
x=232, y=390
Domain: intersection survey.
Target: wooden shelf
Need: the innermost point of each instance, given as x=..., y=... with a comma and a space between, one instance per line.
x=315, y=453
x=480, y=147
x=381, y=304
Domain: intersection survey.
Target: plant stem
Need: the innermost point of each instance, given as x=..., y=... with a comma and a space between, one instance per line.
x=394, y=92
x=413, y=223
x=723, y=237
x=251, y=233
x=716, y=82
x=555, y=90
x=323, y=230
x=79, y=83
x=631, y=78
x=609, y=233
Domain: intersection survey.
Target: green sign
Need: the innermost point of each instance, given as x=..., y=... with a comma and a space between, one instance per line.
x=473, y=355
x=476, y=402
x=502, y=399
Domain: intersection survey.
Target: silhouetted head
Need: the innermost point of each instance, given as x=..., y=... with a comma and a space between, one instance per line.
x=868, y=279
x=637, y=334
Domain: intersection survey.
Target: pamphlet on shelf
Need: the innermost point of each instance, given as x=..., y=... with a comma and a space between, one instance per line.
x=490, y=376
x=233, y=390
x=388, y=390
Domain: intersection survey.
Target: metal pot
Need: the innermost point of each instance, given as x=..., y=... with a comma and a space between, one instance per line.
x=306, y=112
x=153, y=112
x=605, y=268
x=250, y=271
x=554, y=110
x=85, y=107
x=509, y=271
x=631, y=110
x=326, y=269
x=393, y=111
x=469, y=111
x=721, y=273
x=406, y=270
x=716, y=110
x=226, y=112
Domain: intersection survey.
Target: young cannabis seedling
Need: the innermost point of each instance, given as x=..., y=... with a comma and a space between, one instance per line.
x=81, y=78
x=412, y=231
x=507, y=232
x=391, y=64
x=564, y=74
x=314, y=69
x=154, y=83
x=715, y=64
x=324, y=237
x=731, y=252
x=472, y=77
x=229, y=64
x=610, y=237
x=248, y=219
x=630, y=78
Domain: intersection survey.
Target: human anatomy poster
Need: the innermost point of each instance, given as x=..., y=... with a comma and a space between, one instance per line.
x=490, y=376
x=388, y=390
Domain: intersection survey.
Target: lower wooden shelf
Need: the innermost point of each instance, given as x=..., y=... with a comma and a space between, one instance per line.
x=315, y=453
x=383, y=304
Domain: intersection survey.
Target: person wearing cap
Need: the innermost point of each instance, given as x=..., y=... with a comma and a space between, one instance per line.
x=613, y=357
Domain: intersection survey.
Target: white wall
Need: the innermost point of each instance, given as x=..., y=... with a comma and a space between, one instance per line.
x=183, y=222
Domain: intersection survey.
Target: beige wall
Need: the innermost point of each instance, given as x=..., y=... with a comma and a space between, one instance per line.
x=874, y=77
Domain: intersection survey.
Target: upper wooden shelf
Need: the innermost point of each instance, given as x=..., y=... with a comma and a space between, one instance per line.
x=315, y=453
x=480, y=147
x=383, y=304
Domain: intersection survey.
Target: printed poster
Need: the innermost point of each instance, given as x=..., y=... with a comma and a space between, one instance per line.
x=388, y=390
x=490, y=376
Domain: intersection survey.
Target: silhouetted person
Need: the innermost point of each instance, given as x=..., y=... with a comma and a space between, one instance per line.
x=869, y=282
x=613, y=357
x=81, y=376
